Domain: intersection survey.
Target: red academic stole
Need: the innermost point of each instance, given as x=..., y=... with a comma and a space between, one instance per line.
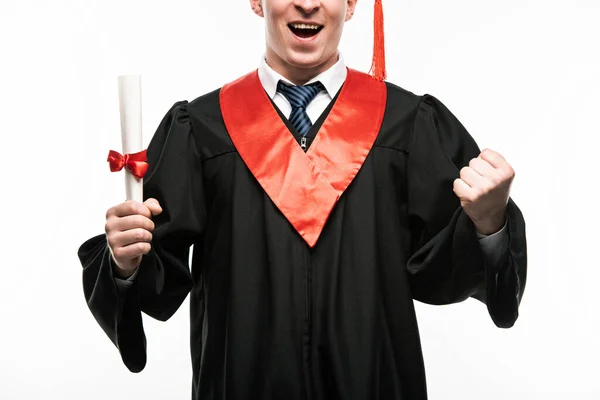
x=305, y=186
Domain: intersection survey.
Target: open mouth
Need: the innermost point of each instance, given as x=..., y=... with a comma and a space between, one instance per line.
x=305, y=31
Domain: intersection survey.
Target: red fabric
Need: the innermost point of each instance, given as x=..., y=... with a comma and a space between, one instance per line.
x=304, y=186
x=136, y=162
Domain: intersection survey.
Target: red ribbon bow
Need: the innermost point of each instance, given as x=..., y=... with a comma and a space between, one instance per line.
x=136, y=163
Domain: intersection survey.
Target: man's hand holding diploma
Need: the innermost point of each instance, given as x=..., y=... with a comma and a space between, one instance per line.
x=129, y=230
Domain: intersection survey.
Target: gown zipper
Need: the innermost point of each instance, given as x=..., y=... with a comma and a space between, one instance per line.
x=308, y=332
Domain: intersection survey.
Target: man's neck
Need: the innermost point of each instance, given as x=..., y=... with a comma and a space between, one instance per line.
x=299, y=76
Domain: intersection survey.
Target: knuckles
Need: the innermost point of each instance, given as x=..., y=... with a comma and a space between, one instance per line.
x=138, y=235
x=110, y=238
x=463, y=172
x=474, y=195
x=142, y=222
x=133, y=207
x=141, y=226
x=141, y=235
x=145, y=248
x=508, y=174
x=487, y=152
x=118, y=253
x=141, y=248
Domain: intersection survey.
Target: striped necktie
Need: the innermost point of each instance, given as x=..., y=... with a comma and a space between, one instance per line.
x=299, y=98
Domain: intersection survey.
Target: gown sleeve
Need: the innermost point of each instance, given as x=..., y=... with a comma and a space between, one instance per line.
x=447, y=264
x=163, y=280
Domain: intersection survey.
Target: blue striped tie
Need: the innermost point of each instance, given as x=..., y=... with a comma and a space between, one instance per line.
x=299, y=97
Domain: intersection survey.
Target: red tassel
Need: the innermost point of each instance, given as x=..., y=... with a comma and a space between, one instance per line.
x=378, y=67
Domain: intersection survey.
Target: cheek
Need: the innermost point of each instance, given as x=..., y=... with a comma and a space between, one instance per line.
x=335, y=34
x=272, y=31
x=275, y=28
x=337, y=22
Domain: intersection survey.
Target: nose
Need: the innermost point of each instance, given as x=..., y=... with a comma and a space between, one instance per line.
x=307, y=6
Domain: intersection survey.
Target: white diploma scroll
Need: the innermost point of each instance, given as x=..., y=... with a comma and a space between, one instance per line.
x=130, y=106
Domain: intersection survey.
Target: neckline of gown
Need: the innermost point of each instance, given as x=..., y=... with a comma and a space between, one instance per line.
x=305, y=186
x=314, y=129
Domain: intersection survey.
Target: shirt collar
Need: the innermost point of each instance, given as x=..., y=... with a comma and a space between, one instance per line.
x=332, y=79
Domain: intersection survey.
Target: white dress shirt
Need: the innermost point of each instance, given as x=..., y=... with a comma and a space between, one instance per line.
x=492, y=246
x=332, y=79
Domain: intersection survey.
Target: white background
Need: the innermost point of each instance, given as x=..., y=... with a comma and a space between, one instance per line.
x=522, y=75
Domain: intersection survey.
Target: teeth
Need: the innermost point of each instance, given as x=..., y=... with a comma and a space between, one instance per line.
x=305, y=26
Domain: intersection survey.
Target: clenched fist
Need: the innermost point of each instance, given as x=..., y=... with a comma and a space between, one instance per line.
x=483, y=189
x=129, y=230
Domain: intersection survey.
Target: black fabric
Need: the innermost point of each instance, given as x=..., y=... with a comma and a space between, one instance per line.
x=272, y=318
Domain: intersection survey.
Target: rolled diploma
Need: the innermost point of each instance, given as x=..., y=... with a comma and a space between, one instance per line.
x=130, y=107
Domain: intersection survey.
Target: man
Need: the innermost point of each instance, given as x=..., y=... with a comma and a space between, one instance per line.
x=320, y=202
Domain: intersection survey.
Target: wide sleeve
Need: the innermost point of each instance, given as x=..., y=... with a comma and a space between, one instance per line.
x=447, y=264
x=163, y=280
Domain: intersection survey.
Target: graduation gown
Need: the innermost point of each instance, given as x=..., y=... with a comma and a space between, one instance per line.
x=305, y=265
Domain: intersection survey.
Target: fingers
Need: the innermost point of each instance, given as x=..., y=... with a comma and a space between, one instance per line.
x=154, y=206
x=472, y=178
x=131, y=251
x=127, y=208
x=122, y=239
x=463, y=190
x=483, y=168
x=133, y=219
x=496, y=160
x=127, y=247
x=129, y=230
x=149, y=208
x=130, y=222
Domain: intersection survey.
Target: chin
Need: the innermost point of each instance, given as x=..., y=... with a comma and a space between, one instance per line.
x=308, y=60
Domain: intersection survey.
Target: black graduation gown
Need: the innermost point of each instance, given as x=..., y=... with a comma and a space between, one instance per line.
x=274, y=318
